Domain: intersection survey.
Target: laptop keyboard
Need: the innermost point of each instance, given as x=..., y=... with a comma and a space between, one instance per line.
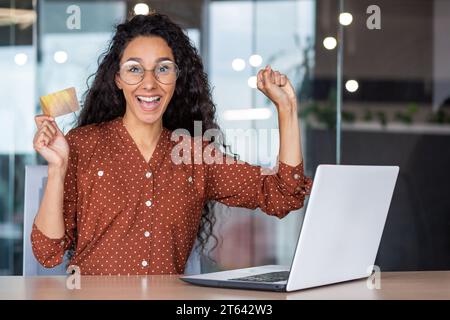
x=266, y=277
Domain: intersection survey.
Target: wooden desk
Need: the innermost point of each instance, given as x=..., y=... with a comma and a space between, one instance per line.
x=394, y=285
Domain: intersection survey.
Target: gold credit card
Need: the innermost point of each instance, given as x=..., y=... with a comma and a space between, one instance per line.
x=60, y=103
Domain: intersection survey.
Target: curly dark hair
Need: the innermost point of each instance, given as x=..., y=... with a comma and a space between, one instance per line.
x=191, y=101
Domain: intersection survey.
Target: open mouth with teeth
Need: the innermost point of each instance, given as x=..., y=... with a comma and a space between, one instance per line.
x=149, y=103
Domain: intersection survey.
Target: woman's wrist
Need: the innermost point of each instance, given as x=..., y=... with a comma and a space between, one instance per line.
x=287, y=111
x=57, y=171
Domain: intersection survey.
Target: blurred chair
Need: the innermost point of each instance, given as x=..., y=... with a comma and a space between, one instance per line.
x=35, y=181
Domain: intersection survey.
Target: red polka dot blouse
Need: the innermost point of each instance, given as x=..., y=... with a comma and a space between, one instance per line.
x=126, y=216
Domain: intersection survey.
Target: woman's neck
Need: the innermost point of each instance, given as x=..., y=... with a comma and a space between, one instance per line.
x=144, y=134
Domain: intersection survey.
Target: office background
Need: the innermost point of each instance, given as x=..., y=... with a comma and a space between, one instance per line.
x=395, y=85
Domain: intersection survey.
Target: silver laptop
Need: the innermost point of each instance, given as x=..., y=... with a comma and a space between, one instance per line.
x=340, y=234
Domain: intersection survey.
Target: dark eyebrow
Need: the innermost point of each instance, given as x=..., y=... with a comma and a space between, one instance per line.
x=157, y=60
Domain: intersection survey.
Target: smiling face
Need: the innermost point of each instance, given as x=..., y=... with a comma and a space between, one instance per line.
x=147, y=100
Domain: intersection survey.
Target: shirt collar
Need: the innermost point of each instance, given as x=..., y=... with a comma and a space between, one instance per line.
x=125, y=140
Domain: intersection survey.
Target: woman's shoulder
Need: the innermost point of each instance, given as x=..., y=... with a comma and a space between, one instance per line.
x=87, y=135
x=84, y=132
x=87, y=139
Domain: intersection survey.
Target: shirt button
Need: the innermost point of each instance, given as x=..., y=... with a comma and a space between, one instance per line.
x=144, y=263
x=148, y=174
x=100, y=173
x=62, y=243
x=148, y=203
x=296, y=176
x=147, y=234
x=190, y=179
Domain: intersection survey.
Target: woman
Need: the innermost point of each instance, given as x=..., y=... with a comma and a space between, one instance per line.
x=115, y=196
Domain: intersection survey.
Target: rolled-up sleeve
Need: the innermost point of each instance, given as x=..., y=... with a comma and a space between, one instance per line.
x=276, y=191
x=50, y=252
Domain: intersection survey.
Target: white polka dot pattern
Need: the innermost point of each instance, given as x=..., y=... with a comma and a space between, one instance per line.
x=126, y=216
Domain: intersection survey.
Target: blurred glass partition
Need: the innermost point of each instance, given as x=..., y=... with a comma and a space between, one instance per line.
x=72, y=35
x=394, y=76
x=395, y=112
x=17, y=93
x=245, y=36
x=45, y=46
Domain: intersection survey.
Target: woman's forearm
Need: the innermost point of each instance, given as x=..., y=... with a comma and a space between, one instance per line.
x=290, y=141
x=50, y=219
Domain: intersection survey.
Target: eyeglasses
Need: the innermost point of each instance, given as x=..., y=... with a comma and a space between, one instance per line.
x=132, y=72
